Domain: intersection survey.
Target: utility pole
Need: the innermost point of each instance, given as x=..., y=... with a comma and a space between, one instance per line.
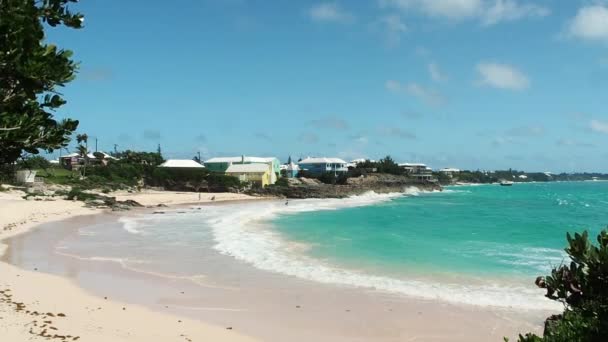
x=95, y=144
x=200, y=161
x=115, y=150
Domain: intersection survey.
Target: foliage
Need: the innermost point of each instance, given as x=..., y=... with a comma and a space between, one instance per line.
x=333, y=179
x=30, y=73
x=582, y=287
x=33, y=163
x=384, y=165
x=79, y=195
x=443, y=178
x=283, y=181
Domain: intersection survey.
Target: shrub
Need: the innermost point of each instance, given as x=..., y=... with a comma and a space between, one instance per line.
x=33, y=163
x=582, y=287
x=79, y=195
x=283, y=181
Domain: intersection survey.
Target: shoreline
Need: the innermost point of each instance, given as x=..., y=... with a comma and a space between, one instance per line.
x=29, y=298
x=372, y=300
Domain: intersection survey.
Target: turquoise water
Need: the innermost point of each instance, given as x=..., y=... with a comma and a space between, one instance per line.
x=476, y=230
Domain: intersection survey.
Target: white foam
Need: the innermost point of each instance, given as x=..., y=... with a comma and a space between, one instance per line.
x=130, y=224
x=240, y=234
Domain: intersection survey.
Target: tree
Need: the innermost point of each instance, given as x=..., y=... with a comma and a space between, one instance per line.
x=582, y=287
x=30, y=73
x=83, y=150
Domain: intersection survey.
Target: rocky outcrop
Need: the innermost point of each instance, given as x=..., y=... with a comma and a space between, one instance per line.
x=309, y=188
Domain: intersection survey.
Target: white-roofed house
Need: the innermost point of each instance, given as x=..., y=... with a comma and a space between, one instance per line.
x=418, y=171
x=319, y=166
x=221, y=164
x=256, y=173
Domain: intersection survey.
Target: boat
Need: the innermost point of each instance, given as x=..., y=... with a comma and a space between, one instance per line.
x=505, y=183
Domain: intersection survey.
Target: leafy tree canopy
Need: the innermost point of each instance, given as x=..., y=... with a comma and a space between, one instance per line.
x=31, y=71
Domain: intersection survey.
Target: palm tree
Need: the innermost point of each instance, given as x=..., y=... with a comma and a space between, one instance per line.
x=83, y=150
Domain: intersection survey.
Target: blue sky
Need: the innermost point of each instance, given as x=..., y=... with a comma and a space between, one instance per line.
x=476, y=84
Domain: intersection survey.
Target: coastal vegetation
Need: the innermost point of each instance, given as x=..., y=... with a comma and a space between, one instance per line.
x=582, y=287
x=31, y=71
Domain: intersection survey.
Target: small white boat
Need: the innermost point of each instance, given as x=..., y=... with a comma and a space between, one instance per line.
x=506, y=183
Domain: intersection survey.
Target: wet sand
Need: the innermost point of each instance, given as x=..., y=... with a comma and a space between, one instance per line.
x=265, y=305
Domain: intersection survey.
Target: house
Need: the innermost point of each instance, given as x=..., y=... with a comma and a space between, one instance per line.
x=449, y=171
x=221, y=164
x=420, y=172
x=256, y=173
x=181, y=164
x=75, y=160
x=318, y=166
x=415, y=168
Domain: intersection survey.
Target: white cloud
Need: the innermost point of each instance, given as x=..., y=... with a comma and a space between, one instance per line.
x=599, y=126
x=590, y=23
x=393, y=27
x=330, y=12
x=436, y=74
x=427, y=95
x=502, y=76
x=489, y=12
x=455, y=9
x=510, y=10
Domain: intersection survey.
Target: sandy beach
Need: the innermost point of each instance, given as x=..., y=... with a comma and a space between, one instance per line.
x=39, y=306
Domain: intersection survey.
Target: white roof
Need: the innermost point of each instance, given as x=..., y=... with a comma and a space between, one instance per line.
x=247, y=168
x=91, y=155
x=71, y=155
x=54, y=161
x=449, y=169
x=322, y=160
x=240, y=159
x=185, y=163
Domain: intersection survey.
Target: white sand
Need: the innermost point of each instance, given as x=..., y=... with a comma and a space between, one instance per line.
x=87, y=318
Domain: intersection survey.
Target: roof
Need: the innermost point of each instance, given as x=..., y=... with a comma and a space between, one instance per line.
x=448, y=169
x=240, y=159
x=184, y=163
x=247, y=168
x=322, y=160
x=91, y=155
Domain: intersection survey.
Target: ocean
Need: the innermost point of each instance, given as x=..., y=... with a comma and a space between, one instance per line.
x=477, y=245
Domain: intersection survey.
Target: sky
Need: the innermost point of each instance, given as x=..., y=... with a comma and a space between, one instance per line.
x=471, y=84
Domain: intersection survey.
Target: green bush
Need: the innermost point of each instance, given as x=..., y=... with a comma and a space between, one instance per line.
x=79, y=195
x=283, y=181
x=582, y=287
x=33, y=163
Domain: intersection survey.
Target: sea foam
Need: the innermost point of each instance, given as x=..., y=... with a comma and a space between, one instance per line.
x=242, y=234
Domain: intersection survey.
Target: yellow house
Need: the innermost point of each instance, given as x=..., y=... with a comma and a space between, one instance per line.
x=254, y=173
